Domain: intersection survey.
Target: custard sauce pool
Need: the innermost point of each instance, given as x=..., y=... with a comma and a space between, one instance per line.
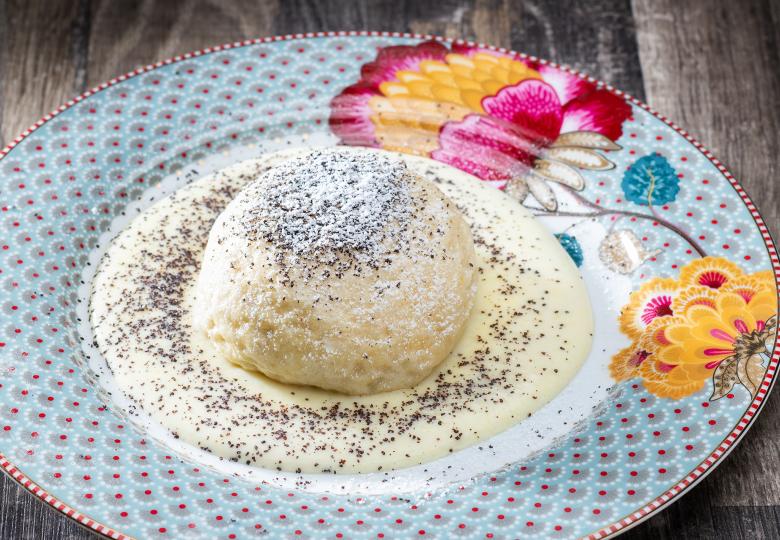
x=529, y=333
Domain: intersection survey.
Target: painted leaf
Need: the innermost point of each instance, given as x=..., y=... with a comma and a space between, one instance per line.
x=572, y=247
x=724, y=378
x=622, y=252
x=771, y=335
x=582, y=158
x=650, y=180
x=586, y=139
x=541, y=191
x=750, y=370
x=559, y=172
x=517, y=188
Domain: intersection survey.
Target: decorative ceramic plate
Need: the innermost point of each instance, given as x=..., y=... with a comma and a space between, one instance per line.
x=680, y=267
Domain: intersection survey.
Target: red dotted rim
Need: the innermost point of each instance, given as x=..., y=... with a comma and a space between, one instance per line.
x=673, y=493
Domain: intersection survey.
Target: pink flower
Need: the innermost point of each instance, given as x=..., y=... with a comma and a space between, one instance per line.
x=494, y=115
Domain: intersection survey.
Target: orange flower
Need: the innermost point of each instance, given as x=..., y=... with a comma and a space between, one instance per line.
x=625, y=364
x=714, y=319
x=706, y=336
x=693, y=295
x=656, y=377
x=711, y=272
x=651, y=301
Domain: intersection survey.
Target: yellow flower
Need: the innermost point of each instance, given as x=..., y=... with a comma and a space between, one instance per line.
x=711, y=272
x=712, y=320
x=414, y=106
x=625, y=364
x=653, y=300
x=705, y=335
x=657, y=378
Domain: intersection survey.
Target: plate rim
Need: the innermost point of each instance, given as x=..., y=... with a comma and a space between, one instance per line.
x=660, y=503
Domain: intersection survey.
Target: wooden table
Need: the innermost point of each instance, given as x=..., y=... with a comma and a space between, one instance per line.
x=712, y=66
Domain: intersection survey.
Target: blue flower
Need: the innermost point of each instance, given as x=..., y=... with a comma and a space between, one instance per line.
x=572, y=247
x=651, y=180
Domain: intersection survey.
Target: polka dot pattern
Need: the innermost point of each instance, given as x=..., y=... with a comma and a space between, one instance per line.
x=65, y=182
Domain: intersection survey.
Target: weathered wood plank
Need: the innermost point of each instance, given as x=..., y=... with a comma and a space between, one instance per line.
x=485, y=21
x=126, y=34
x=481, y=20
x=759, y=522
x=40, y=57
x=596, y=37
x=22, y=516
x=712, y=67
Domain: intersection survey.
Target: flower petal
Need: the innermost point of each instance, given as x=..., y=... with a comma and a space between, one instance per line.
x=586, y=139
x=350, y=116
x=712, y=272
x=391, y=60
x=694, y=295
x=541, y=192
x=567, y=85
x=600, y=111
x=572, y=247
x=666, y=389
x=582, y=158
x=625, y=364
x=532, y=106
x=471, y=164
x=484, y=146
x=411, y=124
x=517, y=188
x=724, y=378
x=751, y=370
x=650, y=180
x=559, y=172
x=632, y=322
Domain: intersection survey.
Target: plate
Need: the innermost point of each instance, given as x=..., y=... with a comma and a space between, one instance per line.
x=679, y=263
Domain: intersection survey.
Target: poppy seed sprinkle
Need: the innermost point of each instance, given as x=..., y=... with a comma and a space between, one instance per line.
x=527, y=337
x=330, y=204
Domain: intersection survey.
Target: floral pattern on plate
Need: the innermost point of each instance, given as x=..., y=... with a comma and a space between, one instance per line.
x=713, y=323
x=515, y=122
x=65, y=181
x=496, y=116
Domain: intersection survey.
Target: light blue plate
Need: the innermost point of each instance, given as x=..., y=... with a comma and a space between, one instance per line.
x=678, y=372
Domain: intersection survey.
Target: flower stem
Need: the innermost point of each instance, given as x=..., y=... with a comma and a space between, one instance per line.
x=669, y=225
x=599, y=211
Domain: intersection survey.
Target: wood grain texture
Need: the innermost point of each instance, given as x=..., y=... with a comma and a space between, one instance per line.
x=22, y=516
x=597, y=37
x=709, y=65
x=39, y=63
x=713, y=68
x=124, y=34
